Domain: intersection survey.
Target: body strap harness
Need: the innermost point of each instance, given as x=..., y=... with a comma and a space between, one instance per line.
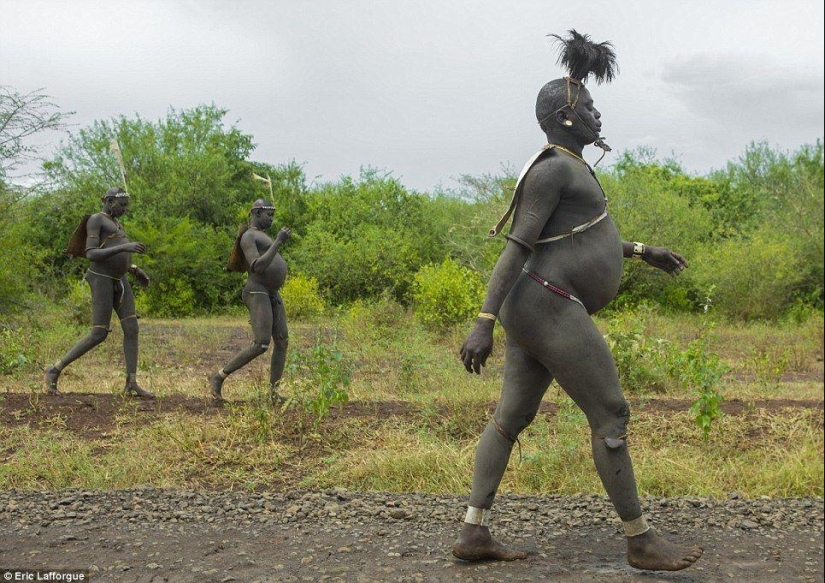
x=513, y=203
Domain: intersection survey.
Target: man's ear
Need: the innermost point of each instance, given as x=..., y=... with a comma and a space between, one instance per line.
x=561, y=118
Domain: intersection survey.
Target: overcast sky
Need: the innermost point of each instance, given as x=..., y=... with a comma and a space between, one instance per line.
x=428, y=90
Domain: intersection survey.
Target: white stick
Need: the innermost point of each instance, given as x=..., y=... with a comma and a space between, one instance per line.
x=115, y=148
x=268, y=181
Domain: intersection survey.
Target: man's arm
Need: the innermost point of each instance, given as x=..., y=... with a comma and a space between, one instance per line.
x=258, y=263
x=93, y=250
x=659, y=257
x=539, y=198
x=141, y=276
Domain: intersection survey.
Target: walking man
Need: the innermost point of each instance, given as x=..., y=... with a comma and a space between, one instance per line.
x=102, y=240
x=562, y=263
x=257, y=254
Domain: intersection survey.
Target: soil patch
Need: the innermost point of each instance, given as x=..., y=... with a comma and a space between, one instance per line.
x=95, y=415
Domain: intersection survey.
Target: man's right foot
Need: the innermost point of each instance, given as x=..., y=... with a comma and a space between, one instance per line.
x=215, y=385
x=651, y=552
x=475, y=543
x=50, y=379
x=134, y=390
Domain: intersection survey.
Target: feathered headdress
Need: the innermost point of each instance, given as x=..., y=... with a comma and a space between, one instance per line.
x=582, y=57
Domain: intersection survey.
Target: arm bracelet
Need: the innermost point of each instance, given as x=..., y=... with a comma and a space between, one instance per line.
x=487, y=316
x=638, y=250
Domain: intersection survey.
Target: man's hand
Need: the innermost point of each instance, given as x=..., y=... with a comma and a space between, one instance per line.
x=478, y=346
x=141, y=277
x=283, y=235
x=134, y=247
x=664, y=259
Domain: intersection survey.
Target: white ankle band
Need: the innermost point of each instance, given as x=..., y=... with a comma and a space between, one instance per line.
x=222, y=374
x=59, y=365
x=636, y=527
x=479, y=516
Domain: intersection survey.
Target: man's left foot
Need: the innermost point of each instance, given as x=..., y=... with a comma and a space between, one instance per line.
x=651, y=552
x=276, y=397
x=215, y=386
x=475, y=543
x=134, y=390
x=50, y=379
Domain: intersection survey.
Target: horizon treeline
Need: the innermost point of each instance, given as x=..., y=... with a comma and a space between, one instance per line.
x=751, y=231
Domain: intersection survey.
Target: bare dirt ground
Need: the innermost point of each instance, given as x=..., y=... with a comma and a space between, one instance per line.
x=94, y=415
x=155, y=535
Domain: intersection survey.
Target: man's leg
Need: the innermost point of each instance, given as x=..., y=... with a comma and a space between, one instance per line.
x=102, y=290
x=280, y=338
x=129, y=325
x=525, y=382
x=260, y=314
x=584, y=367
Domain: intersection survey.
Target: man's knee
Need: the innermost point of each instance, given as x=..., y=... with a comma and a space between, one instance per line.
x=613, y=428
x=98, y=334
x=260, y=347
x=513, y=422
x=281, y=341
x=129, y=326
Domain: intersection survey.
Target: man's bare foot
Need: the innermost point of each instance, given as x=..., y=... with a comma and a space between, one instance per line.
x=215, y=385
x=475, y=543
x=50, y=378
x=134, y=390
x=651, y=552
x=274, y=396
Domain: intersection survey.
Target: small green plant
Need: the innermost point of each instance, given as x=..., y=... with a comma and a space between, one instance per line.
x=701, y=370
x=641, y=360
x=446, y=294
x=319, y=381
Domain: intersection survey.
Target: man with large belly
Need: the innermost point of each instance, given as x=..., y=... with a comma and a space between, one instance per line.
x=110, y=252
x=562, y=262
x=256, y=253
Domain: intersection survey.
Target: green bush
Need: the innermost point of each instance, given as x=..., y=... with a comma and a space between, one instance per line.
x=185, y=261
x=12, y=350
x=19, y=259
x=376, y=321
x=77, y=303
x=366, y=237
x=301, y=297
x=446, y=294
x=171, y=298
x=755, y=277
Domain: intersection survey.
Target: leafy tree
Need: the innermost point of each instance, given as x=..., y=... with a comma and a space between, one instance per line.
x=189, y=179
x=21, y=117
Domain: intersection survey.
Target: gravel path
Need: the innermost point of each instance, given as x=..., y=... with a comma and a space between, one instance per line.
x=155, y=535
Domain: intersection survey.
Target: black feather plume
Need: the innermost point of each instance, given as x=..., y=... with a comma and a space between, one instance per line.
x=582, y=57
